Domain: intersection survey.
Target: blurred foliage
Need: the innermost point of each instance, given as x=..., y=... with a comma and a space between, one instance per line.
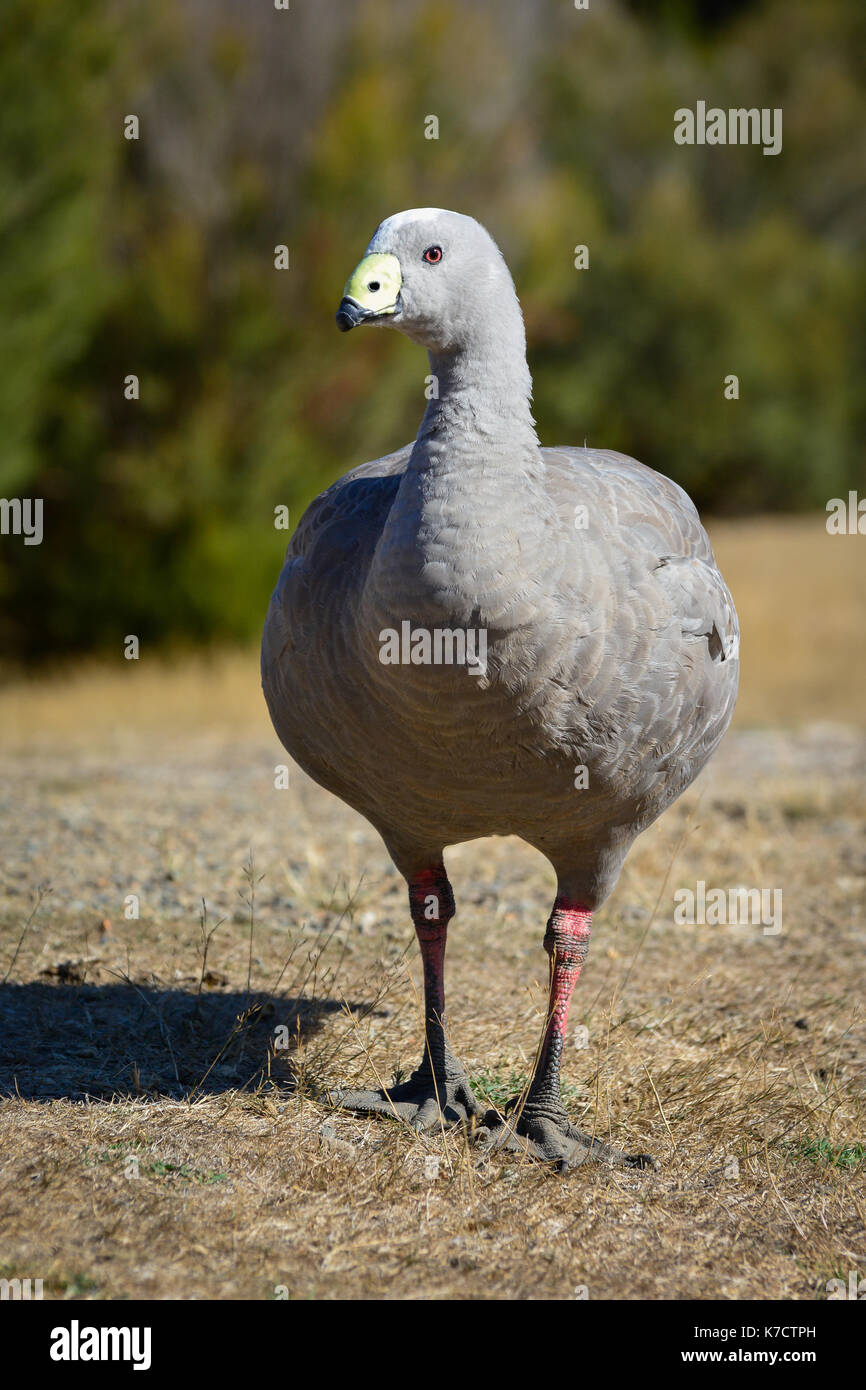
x=306, y=127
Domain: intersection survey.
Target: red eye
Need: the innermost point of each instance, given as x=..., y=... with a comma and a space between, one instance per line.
x=433, y=255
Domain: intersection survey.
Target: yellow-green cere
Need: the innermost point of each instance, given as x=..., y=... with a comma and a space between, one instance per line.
x=375, y=283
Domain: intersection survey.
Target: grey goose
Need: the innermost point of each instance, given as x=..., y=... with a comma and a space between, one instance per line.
x=478, y=636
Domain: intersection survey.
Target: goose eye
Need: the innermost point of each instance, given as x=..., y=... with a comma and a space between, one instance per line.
x=433, y=255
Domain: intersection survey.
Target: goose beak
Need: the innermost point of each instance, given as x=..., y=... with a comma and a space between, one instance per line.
x=349, y=315
x=371, y=293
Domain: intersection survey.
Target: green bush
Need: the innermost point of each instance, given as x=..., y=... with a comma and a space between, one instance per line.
x=261, y=127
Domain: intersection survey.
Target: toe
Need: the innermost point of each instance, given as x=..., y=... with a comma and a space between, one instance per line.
x=466, y=1102
x=366, y=1102
x=641, y=1161
x=552, y=1140
x=428, y=1115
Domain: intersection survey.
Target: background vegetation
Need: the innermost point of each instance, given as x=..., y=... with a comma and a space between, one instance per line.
x=306, y=127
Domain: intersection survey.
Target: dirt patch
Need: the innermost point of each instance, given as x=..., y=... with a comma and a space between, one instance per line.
x=159, y=1136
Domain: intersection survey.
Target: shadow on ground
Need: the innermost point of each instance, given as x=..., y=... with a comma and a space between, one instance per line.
x=79, y=1041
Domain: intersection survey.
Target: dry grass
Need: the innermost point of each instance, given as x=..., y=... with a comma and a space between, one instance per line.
x=155, y=1141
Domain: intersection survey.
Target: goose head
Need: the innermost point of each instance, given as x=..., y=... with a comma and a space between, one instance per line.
x=437, y=276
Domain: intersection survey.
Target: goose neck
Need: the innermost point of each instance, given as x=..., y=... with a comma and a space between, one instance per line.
x=479, y=403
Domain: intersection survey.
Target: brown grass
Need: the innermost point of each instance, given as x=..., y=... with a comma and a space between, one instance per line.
x=157, y=1144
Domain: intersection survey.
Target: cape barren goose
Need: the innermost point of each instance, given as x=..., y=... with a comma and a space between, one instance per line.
x=477, y=636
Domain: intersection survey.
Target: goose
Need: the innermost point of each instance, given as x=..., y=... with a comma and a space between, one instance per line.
x=478, y=636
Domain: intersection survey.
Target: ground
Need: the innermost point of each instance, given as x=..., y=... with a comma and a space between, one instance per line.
x=159, y=1133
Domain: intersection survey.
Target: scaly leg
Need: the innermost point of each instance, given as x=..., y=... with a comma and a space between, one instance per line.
x=438, y=1091
x=541, y=1127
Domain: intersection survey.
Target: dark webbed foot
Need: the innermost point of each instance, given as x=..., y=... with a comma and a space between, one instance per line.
x=424, y=1101
x=551, y=1137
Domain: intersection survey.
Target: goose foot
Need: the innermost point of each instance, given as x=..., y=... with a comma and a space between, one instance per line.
x=550, y=1137
x=424, y=1101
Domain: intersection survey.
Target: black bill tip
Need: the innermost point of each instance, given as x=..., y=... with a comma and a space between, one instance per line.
x=349, y=315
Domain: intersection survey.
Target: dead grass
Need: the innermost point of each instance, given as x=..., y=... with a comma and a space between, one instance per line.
x=159, y=1136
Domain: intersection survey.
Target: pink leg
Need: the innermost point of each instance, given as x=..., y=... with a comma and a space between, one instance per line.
x=540, y=1126
x=566, y=942
x=431, y=903
x=438, y=1091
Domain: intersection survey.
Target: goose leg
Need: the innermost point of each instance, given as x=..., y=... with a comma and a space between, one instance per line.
x=540, y=1127
x=438, y=1091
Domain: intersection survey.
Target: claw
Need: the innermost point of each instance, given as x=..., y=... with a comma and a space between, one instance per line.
x=641, y=1161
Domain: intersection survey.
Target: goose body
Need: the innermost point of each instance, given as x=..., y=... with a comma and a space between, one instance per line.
x=583, y=579
x=613, y=656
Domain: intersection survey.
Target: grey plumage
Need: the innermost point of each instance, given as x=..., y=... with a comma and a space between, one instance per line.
x=612, y=640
